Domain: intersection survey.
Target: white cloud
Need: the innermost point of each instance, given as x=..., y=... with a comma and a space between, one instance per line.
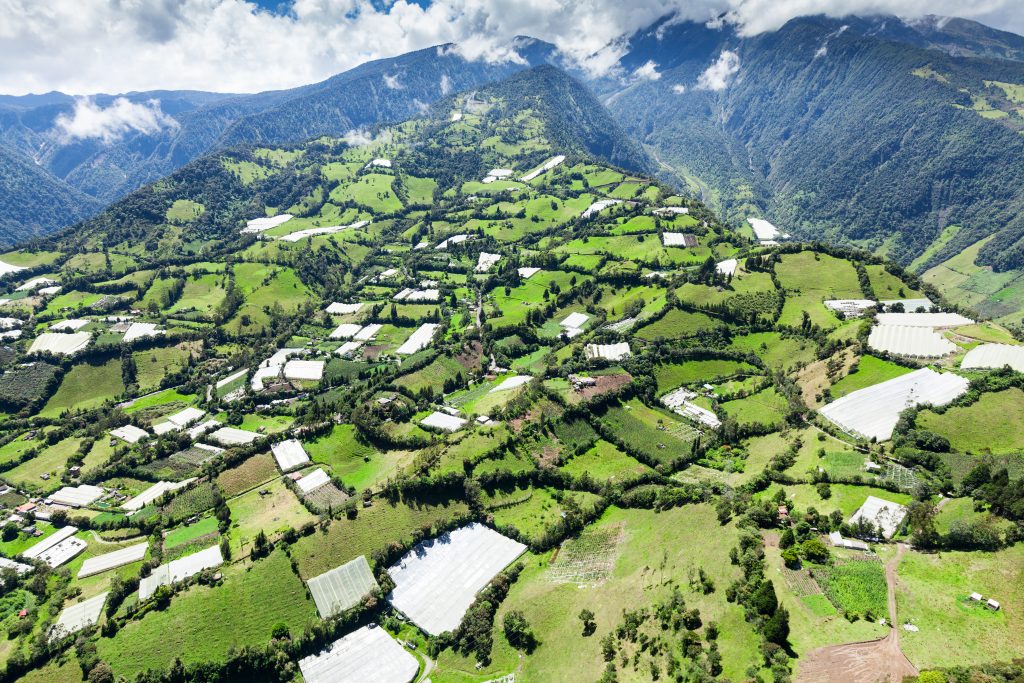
x=446, y=84
x=648, y=72
x=720, y=73
x=91, y=121
x=392, y=82
x=88, y=46
x=679, y=88
x=358, y=138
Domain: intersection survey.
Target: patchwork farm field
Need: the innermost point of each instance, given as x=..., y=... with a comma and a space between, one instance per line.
x=991, y=425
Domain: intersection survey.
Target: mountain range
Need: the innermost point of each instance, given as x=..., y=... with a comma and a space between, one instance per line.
x=902, y=137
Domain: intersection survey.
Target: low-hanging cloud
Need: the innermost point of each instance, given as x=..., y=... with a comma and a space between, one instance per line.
x=392, y=82
x=234, y=46
x=89, y=120
x=648, y=72
x=719, y=75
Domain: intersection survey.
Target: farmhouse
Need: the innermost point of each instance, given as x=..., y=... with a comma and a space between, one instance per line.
x=882, y=513
x=872, y=412
x=342, y=587
x=367, y=655
x=437, y=581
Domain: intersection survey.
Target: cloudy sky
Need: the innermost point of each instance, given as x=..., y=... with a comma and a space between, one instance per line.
x=90, y=46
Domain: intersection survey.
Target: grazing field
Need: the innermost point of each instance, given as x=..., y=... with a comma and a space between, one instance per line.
x=272, y=508
x=870, y=371
x=690, y=372
x=888, y=286
x=50, y=461
x=86, y=386
x=532, y=511
x=358, y=463
x=677, y=324
x=653, y=434
x=776, y=350
x=605, y=462
x=766, y=407
x=202, y=623
x=152, y=365
x=932, y=594
x=846, y=498
x=991, y=425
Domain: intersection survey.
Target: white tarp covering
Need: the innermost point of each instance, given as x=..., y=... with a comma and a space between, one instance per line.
x=873, y=412
x=6, y=268
x=10, y=323
x=764, y=230
x=727, y=267
x=180, y=569
x=526, y=273
x=883, y=513
x=140, y=330
x=342, y=587
x=678, y=239
x=281, y=356
x=129, y=433
x=264, y=373
x=289, y=454
x=202, y=428
x=598, y=206
x=186, y=417
x=313, y=480
x=315, y=232
x=575, y=320
x=53, y=539
x=924, y=319
x=409, y=295
x=346, y=331
x=607, y=351
x=60, y=343
x=512, y=383
x=437, y=581
x=308, y=370
x=451, y=241
x=915, y=342
x=909, y=305
x=994, y=356
x=153, y=492
x=343, y=309
x=74, y=325
x=348, y=348
x=257, y=225
x=79, y=616
x=448, y=423
x=229, y=436
x=108, y=561
x=368, y=332
x=77, y=496
x=418, y=340
x=486, y=261
x=367, y=655
x=382, y=163
x=546, y=166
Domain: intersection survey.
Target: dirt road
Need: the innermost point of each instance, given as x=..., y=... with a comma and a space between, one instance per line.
x=872, y=661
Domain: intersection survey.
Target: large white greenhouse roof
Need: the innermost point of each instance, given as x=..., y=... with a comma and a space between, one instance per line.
x=76, y=617
x=437, y=581
x=77, y=496
x=59, y=343
x=883, y=513
x=924, y=319
x=367, y=655
x=873, y=412
x=994, y=356
x=108, y=561
x=418, y=340
x=912, y=341
x=153, y=492
x=180, y=569
x=342, y=587
x=289, y=454
x=50, y=541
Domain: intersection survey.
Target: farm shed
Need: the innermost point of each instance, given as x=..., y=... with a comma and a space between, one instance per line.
x=313, y=480
x=258, y=225
x=230, y=436
x=336, y=308
x=179, y=570
x=289, y=454
x=418, y=340
x=108, y=561
x=129, y=433
x=153, y=492
x=77, y=617
x=910, y=341
x=448, y=423
x=607, y=351
x=935, y=320
x=838, y=541
x=77, y=496
x=992, y=604
x=994, y=356
x=872, y=412
x=437, y=581
x=343, y=587
x=882, y=513
x=367, y=655
x=59, y=343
